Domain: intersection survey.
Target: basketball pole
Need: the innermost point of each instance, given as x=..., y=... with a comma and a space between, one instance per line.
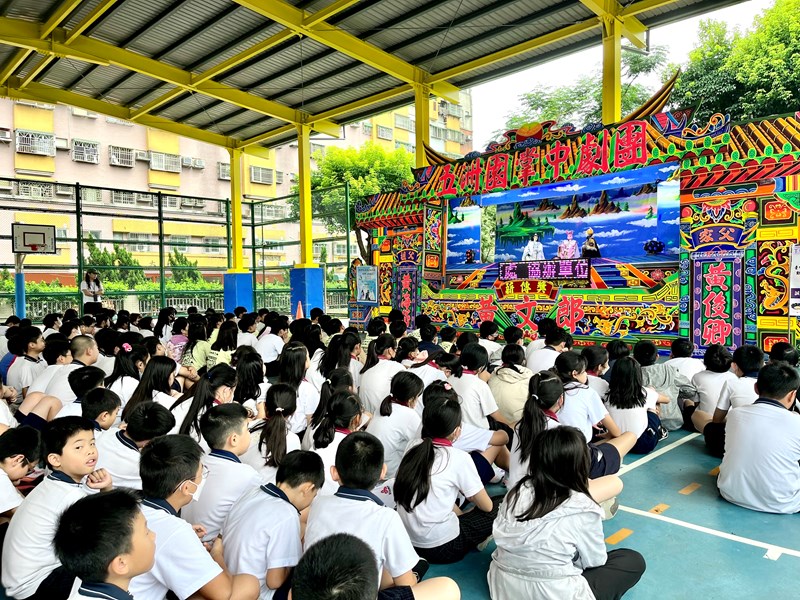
x=19, y=286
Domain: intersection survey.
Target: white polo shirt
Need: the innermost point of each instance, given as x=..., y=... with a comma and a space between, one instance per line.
x=257, y=460
x=634, y=419
x=476, y=398
x=104, y=591
x=28, y=554
x=687, y=366
x=246, y=339
x=542, y=359
x=533, y=346
x=582, y=409
x=182, y=564
x=599, y=385
x=307, y=402
x=760, y=469
x=433, y=522
x=106, y=363
x=737, y=392
x=269, y=347
x=59, y=384
x=517, y=468
x=328, y=456
x=10, y=497
x=428, y=374
x=43, y=379
x=120, y=456
x=6, y=418
x=48, y=332
x=378, y=526
x=473, y=438
x=262, y=532
x=355, y=371
x=490, y=345
x=709, y=388
x=124, y=387
x=395, y=432
x=23, y=372
x=376, y=382
x=228, y=479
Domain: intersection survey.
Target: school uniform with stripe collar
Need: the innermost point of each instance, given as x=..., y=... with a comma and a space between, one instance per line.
x=119, y=455
x=377, y=525
x=228, y=478
x=23, y=372
x=262, y=532
x=182, y=563
x=28, y=554
x=100, y=591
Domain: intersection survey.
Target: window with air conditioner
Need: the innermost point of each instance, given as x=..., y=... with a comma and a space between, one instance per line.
x=148, y=199
x=133, y=246
x=261, y=175
x=384, y=133
x=36, y=190
x=62, y=233
x=120, y=157
x=224, y=171
x=159, y=161
x=5, y=135
x=213, y=245
x=84, y=151
x=198, y=163
x=63, y=189
x=34, y=142
x=94, y=234
x=123, y=197
x=93, y=195
x=62, y=143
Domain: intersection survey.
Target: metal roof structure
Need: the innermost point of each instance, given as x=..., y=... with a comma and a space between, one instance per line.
x=245, y=73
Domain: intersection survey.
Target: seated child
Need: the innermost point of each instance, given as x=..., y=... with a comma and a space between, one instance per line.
x=262, y=531
x=709, y=384
x=120, y=449
x=782, y=351
x=101, y=407
x=19, y=452
x=549, y=534
x=342, y=566
x=342, y=418
x=104, y=541
x=172, y=476
x=30, y=567
x=397, y=422
x=596, y=358
x=429, y=481
x=665, y=380
x=224, y=427
x=57, y=354
x=761, y=466
x=359, y=467
x=681, y=360
x=81, y=382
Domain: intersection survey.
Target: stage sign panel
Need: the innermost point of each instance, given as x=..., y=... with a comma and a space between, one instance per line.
x=565, y=269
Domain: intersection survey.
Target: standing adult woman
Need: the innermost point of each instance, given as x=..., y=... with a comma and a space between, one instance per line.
x=92, y=290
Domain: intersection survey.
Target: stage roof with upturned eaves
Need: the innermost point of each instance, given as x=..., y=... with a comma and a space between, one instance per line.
x=244, y=73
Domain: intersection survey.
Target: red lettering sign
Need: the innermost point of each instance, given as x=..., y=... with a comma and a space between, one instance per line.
x=630, y=146
x=593, y=155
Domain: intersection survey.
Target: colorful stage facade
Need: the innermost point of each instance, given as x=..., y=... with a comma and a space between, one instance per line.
x=653, y=228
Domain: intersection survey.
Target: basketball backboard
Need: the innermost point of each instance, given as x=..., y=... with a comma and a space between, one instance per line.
x=33, y=239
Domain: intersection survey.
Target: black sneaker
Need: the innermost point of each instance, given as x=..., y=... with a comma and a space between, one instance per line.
x=663, y=433
x=420, y=569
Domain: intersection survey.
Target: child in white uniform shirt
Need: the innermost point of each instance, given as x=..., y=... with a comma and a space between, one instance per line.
x=709, y=384
x=681, y=360
x=271, y=439
x=549, y=534
x=120, y=449
x=271, y=344
x=251, y=387
x=489, y=332
x=172, y=477
x=247, y=332
x=224, y=428
x=128, y=368
x=431, y=477
x=155, y=385
x=340, y=379
x=359, y=467
x=378, y=370
x=262, y=531
x=104, y=540
x=84, y=354
x=477, y=400
x=596, y=358
x=397, y=423
x=342, y=418
x=81, y=381
x=19, y=453
x=30, y=566
x=544, y=358
x=56, y=354
x=30, y=364
x=294, y=363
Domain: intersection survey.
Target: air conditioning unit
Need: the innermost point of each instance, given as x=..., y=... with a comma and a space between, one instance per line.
x=142, y=155
x=62, y=143
x=187, y=202
x=63, y=189
x=6, y=184
x=198, y=163
x=199, y=202
x=5, y=135
x=144, y=198
x=186, y=161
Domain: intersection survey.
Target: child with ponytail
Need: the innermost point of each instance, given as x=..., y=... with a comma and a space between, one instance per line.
x=129, y=365
x=397, y=423
x=294, y=363
x=469, y=381
x=215, y=387
x=378, y=371
x=251, y=387
x=272, y=440
x=338, y=380
x=429, y=481
x=549, y=534
x=342, y=418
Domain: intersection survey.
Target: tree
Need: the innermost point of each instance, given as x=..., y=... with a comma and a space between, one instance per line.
x=128, y=270
x=183, y=269
x=488, y=232
x=369, y=170
x=580, y=103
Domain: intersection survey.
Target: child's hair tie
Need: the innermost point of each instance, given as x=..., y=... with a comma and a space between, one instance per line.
x=447, y=386
x=534, y=396
x=279, y=409
x=126, y=347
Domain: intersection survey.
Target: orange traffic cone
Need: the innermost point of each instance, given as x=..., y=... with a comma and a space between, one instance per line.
x=298, y=314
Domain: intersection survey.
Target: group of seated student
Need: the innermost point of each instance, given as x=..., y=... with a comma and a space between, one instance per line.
x=259, y=447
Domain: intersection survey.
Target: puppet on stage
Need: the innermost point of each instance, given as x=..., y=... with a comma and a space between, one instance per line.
x=534, y=250
x=568, y=248
x=590, y=248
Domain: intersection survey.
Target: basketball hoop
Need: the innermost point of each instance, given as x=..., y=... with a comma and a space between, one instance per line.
x=34, y=248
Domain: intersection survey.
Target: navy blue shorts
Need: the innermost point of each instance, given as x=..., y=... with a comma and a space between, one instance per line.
x=31, y=420
x=485, y=469
x=605, y=460
x=400, y=592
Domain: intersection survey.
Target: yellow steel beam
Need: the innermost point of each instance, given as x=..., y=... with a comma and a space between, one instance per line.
x=304, y=191
x=631, y=27
x=612, y=71
x=237, y=231
x=522, y=48
x=329, y=35
x=15, y=62
x=637, y=8
x=422, y=117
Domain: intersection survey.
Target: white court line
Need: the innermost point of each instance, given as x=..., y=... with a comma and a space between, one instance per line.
x=646, y=459
x=773, y=552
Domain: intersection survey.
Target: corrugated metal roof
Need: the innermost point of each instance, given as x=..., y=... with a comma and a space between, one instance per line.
x=302, y=73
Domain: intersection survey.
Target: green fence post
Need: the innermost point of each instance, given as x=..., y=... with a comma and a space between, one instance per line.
x=162, y=283
x=253, y=262
x=79, y=242
x=228, y=228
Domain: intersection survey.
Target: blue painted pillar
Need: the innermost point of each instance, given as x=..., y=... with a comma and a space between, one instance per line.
x=19, y=294
x=308, y=287
x=238, y=290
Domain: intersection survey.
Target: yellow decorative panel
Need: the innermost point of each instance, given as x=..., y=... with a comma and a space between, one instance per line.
x=776, y=233
x=780, y=323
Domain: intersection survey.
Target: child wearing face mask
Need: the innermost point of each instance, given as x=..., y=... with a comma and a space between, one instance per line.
x=172, y=476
